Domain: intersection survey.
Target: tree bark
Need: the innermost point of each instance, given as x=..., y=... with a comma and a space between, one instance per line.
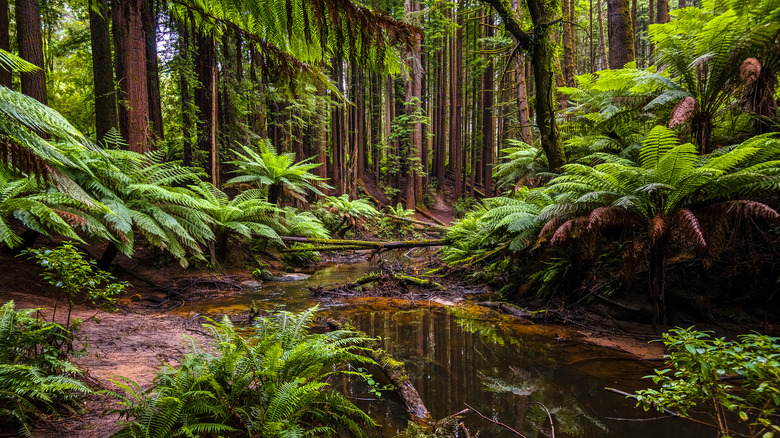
x=206, y=102
x=149, y=15
x=105, y=97
x=621, y=33
x=488, y=121
x=522, y=104
x=602, y=55
x=568, y=43
x=456, y=106
x=28, y=36
x=413, y=102
x=662, y=11
x=131, y=49
x=5, y=41
x=186, y=99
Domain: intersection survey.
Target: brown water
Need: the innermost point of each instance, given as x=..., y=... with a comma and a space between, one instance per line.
x=504, y=369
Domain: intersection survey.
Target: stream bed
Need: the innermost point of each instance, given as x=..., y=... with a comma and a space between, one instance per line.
x=504, y=368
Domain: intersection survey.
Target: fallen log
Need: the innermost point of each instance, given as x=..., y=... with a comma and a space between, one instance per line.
x=507, y=308
x=369, y=244
x=395, y=371
x=406, y=279
x=418, y=222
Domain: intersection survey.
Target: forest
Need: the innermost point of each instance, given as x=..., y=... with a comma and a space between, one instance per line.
x=592, y=169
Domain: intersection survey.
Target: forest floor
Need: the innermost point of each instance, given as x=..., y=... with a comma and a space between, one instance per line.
x=142, y=336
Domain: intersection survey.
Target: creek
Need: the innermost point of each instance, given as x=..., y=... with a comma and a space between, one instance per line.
x=457, y=354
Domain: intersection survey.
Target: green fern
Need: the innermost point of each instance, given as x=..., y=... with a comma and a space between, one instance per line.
x=270, y=381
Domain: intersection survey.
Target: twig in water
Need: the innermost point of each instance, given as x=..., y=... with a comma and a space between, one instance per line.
x=552, y=425
x=495, y=422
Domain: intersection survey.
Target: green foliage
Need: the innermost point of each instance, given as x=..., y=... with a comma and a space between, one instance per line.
x=276, y=174
x=269, y=381
x=35, y=380
x=74, y=277
x=301, y=257
x=391, y=227
x=145, y=194
x=341, y=215
x=740, y=376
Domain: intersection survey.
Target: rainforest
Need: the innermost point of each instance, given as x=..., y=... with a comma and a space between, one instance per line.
x=389, y=218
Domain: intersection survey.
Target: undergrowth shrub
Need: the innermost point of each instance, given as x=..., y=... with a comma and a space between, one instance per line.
x=735, y=383
x=270, y=380
x=35, y=378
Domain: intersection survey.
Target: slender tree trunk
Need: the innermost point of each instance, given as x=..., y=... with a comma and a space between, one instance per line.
x=522, y=103
x=568, y=43
x=590, y=38
x=186, y=99
x=681, y=4
x=488, y=123
x=621, y=33
x=206, y=102
x=662, y=11
x=130, y=48
x=602, y=55
x=5, y=42
x=634, y=27
x=105, y=98
x=456, y=106
x=28, y=36
x=152, y=72
x=413, y=96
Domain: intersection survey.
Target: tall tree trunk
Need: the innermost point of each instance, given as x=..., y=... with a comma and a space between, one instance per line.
x=602, y=55
x=131, y=50
x=662, y=11
x=621, y=33
x=568, y=43
x=590, y=38
x=152, y=72
x=634, y=25
x=28, y=36
x=258, y=123
x=105, y=99
x=413, y=96
x=488, y=124
x=522, y=103
x=186, y=100
x=5, y=41
x=206, y=102
x=456, y=106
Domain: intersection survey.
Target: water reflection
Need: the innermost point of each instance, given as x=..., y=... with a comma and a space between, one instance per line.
x=500, y=367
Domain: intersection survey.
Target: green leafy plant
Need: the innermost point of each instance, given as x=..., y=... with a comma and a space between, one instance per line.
x=75, y=278
x=267, y=381
x=35, y=379
x=275, y=173
x=342, y=214
x=740, y=376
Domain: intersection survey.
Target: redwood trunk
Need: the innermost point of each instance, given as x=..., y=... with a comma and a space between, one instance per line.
x=568, y=43
x=5, y=42
x=662, y=11
x=488, y=124
x=621, y=33
x=152, y=73
x=28, y=34
x=602, y=55
x=206, y=102
x=105, y=99
x=456, y=107
x=131, y=49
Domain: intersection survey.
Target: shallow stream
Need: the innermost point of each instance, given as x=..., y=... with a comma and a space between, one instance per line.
x=507, y=370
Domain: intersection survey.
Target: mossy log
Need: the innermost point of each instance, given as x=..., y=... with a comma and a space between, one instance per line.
x=367, y=244
x=406, y=279
x=395, y=371
x=418, y=222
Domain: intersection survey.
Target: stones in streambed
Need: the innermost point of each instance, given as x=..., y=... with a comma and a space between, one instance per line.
x=285, y=278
